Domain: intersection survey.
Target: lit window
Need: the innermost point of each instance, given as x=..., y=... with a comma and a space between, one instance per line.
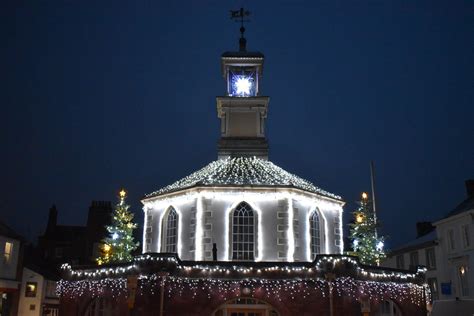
x=170, y=233
x=243, y=233
x=430, y=259
x=30, y=289
x=242, y=82
x=315, y=233
x=7, y=254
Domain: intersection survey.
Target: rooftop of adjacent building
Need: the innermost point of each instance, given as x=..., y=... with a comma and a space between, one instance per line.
x=426, y=232
x=6, y=231
x=468, y=203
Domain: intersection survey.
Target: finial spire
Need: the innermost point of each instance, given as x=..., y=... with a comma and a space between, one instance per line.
x=239, y=16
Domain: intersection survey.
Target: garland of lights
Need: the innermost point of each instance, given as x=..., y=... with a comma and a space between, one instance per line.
x=277, y=289
x=320, y=263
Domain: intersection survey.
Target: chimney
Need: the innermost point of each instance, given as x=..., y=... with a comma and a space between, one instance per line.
x=470, y=188
x=52, y=219
x=423, y=228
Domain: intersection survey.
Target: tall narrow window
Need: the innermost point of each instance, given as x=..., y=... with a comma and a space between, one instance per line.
x=7, y=254
x=430, y=258
x=466, y=240
x=171, y=231
x=433, y=284
x=315, y=232
x=452, y=245
x=413, y=259
x=243, y=233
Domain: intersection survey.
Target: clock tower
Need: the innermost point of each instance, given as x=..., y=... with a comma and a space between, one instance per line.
x=242, y=110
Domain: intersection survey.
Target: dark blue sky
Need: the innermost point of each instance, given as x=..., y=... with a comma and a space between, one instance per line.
x=96, y=95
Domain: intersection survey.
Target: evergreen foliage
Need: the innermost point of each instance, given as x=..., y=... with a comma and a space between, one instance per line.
x=120, y=244
x=366, y=243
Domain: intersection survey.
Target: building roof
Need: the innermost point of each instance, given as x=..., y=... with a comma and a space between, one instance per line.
x=466, y=205
x=242, y=171
x=417, y=243
x=9, y=232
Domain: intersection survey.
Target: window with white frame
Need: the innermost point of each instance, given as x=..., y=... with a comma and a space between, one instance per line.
x=170, y=231
x=315, y=233
x=451, y=242
x=466, y=241
x=413, y=259
x=243, y=232
x=430, y=258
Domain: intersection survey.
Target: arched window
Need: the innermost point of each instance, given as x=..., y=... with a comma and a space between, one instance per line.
x=243, y=233
x=170, y=231
x=315, y=233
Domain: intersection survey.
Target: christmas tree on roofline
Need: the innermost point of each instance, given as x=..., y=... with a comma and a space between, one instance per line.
x=120, y=244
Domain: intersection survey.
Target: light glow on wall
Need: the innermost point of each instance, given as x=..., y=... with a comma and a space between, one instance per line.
x=308, y=234
x=146, y=210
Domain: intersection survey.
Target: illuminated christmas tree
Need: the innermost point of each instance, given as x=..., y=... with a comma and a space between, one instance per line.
x=366, y=243
x=120, y=245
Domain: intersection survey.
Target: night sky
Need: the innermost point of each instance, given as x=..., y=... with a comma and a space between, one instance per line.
x=96, y=95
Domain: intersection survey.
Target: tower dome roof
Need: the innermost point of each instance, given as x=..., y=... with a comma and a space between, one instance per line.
x=242, y=171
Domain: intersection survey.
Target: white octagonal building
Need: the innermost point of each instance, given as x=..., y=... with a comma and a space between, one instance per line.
x=243, y=207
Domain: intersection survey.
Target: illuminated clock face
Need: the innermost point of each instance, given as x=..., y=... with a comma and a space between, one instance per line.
x=242, y=84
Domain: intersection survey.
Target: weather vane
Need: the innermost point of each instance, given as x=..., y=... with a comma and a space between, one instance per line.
x=240, y=16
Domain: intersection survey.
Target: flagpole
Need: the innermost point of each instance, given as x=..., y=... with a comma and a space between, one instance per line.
x=372, y=181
